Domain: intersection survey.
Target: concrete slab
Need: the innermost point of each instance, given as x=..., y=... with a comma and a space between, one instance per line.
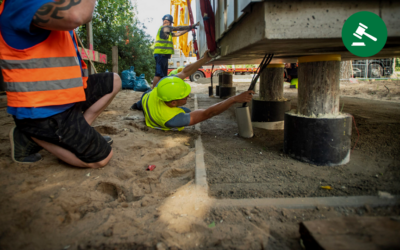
x=351, y=233
x=304, y=203
x=291, y=29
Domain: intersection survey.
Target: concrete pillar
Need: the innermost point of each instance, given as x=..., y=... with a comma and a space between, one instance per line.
x=268, y=111
x=317, y=133
x=319, y=79
x=115, y=59
x=226, y=88
x=271, y=83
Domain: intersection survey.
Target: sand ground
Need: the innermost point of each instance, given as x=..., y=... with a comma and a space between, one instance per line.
x=50, y=205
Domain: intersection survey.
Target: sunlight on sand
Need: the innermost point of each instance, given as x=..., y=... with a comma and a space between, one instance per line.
x=186, y=207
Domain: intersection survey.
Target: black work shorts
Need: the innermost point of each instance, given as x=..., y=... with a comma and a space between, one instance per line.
x=69, y=129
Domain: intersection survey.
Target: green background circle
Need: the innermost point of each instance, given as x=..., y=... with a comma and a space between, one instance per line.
x=376, y=27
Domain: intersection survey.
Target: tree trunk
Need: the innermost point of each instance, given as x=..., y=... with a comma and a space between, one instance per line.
x=271, y=84
x=319, y=91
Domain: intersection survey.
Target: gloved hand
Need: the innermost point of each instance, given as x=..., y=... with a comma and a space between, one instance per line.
x=194, y=26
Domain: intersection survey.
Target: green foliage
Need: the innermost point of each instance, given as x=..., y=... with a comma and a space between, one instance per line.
x=397, y=64
x=114, y=24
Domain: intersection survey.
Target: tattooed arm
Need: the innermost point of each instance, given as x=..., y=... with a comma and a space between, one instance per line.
x=64, y=14
x=180, y=33
x=182, y=29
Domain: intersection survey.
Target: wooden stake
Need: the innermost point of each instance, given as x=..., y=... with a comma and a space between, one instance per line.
x=115, y=59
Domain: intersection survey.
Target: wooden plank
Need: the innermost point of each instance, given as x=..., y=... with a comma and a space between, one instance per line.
x=351, y=233
x=95, y=56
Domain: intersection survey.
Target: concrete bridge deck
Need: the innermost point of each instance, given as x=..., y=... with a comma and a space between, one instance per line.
x=246, y=30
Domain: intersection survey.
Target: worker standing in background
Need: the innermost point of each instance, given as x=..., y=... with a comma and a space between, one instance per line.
x=49, y=94
x=164, y=46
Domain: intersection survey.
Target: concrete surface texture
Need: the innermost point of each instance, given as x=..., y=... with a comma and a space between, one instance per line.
x=291, y=29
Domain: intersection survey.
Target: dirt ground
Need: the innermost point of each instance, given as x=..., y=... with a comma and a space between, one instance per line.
x=50, y=205
x=258, y=168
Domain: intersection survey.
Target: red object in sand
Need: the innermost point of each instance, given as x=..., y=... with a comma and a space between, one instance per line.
x=151, y=167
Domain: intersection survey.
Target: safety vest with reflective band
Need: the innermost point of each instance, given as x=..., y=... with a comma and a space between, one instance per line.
x=163, y=46
x=157, y=113
x=46, y=74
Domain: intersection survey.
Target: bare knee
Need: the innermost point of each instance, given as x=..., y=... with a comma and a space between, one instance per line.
x=117, y=83
x=102, y=163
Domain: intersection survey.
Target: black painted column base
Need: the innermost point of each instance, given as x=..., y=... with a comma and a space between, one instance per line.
x=320, y=141
x=217, y=90
x=269, y=114
x=225, y=92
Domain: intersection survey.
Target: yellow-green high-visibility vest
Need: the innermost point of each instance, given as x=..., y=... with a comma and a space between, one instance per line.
x=157, y=113
x=163, y=46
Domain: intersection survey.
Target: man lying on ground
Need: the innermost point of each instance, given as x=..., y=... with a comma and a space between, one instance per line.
x=49, y=93
x=162, y=106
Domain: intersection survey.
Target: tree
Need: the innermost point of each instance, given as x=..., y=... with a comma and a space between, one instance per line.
x=114, y=24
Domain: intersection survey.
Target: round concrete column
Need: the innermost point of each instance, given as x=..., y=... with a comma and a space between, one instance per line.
x=226, y=88
x=268, y=111
x=271, y=83
x=316, y=132
x=318, y=90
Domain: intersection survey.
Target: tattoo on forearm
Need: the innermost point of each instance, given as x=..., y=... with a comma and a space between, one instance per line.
x=179, y=28
x=50, y=10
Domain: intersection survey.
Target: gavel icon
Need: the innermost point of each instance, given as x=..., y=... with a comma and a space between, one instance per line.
x=361, y=31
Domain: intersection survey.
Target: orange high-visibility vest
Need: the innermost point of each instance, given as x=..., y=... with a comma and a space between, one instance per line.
x=46, y=74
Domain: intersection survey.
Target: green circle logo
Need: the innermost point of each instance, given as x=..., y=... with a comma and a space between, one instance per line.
x=364, y=34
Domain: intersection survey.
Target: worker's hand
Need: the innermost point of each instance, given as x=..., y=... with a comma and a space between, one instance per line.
x=206, y=56
x=246, y=96
x=194, y=25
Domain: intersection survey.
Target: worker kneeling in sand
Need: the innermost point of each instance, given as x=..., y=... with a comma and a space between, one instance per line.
x=162, y=106
x=50, y=95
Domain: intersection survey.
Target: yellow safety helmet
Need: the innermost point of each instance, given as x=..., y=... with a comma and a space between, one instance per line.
x=172, y=88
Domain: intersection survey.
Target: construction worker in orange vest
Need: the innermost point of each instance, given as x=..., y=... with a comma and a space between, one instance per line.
x=49, y=93
x=164, y=46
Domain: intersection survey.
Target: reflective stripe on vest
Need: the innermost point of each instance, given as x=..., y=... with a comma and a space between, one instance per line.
x=42, y=85
x=165, y=42
x=39, y=63
x=46, y=74
x=157, y=113
x=163, y=46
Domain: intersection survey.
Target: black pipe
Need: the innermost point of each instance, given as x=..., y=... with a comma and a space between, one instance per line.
x=264, y=63
x=211, y=89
